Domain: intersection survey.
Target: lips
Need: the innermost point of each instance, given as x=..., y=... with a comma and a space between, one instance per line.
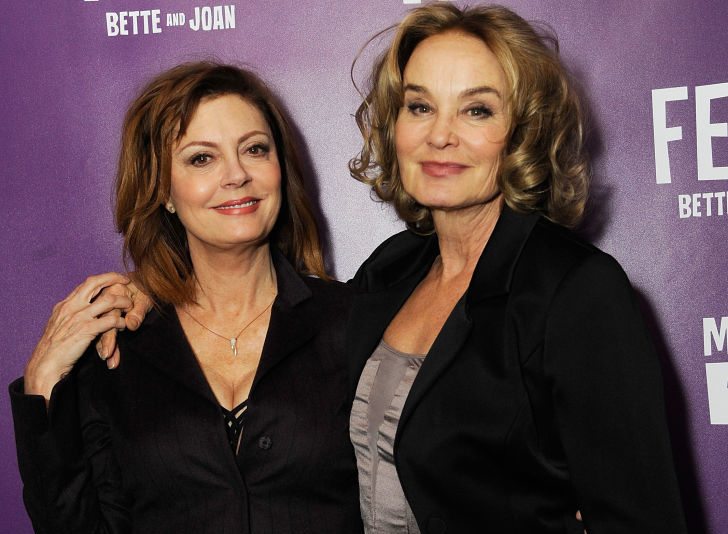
x=442, y=168
x=239, y=206
x=240, y=203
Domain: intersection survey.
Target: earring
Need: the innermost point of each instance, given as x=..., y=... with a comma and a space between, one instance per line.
x=170, y=207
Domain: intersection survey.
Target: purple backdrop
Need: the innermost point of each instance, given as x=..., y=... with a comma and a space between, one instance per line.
x=69, y=71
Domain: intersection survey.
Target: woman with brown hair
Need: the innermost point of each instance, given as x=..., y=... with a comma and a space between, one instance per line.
x=507, y=378
x=229, y=413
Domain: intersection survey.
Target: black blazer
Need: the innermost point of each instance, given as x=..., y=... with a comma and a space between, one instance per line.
x=541, y=394
x=143, y=448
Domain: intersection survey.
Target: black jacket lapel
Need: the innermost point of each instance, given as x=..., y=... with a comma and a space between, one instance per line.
x=494, y=271
x=368, y=320
x=443, y=351
x=386, y=282
x=293, y=321
x=162, y=343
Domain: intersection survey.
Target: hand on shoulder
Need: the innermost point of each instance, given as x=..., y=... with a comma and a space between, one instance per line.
x=74, y=324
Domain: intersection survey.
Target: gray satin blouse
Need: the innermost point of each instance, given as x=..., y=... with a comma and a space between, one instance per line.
x=383, y=388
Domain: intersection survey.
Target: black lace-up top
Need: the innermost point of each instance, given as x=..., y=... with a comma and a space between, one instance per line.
x=234, y=422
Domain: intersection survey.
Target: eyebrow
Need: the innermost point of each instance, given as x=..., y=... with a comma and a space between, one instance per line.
x=481, y=89
x=210, y=144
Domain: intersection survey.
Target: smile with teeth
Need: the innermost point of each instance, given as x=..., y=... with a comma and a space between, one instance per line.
x=238, y=205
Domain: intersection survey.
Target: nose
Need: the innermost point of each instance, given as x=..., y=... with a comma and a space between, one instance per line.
x=236, y=175
x=442, y=133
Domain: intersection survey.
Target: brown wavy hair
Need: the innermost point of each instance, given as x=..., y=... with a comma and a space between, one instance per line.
x=544, y=167
x=154, y=239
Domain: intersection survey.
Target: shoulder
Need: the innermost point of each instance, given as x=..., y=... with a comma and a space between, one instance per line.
x=329, y=303
x=331, y=292
x=159, y=334
x=556, y=267
x=324, y=316
x=559, y=254
x=556, y=244
x=394, y=257
x=396, y=245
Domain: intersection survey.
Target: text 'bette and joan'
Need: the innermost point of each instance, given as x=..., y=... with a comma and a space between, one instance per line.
x=151, y=21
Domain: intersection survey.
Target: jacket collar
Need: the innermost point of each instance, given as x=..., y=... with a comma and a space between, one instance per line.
x=413, y=256
x=410, y=257
x=494, y=271
x=161, y=341
x=292, y=290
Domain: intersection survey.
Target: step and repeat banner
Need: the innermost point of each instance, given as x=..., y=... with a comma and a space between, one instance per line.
x=655, y=76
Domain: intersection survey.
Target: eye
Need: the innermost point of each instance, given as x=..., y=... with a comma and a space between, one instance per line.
x=418, y=108
x=479, y=112
x=200, y=159
x=258, y=149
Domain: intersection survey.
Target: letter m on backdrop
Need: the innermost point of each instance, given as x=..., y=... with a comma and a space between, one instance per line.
x=716, y=374
x=714, y=335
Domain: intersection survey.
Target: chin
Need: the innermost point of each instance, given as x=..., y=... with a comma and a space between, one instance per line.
x=441, y=203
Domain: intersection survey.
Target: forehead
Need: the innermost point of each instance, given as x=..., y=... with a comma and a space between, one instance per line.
x=455, y=60
x=225, y=112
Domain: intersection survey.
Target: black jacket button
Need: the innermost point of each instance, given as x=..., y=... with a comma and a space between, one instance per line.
x=265, y=443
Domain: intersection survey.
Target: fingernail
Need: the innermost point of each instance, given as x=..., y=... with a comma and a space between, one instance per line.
x=101, y=354
x=133, y=322
x=110, y=365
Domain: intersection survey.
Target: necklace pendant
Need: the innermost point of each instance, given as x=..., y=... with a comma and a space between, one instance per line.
x=234, y=346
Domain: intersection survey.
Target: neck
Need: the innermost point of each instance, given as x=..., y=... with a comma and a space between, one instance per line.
x=233, y=282
x=463, y=234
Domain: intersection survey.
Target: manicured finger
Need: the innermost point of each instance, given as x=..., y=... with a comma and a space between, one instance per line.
x=100, y=352
x=113, y=361
x=106, y=344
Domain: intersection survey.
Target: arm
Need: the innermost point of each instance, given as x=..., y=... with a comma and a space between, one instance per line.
x=607, y=395
x=71, y=481
x=63, y=443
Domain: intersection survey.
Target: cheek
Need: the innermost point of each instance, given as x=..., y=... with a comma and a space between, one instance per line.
x=488, y=149
x=274, y=181
x=189, y=190
x=405, y=140
x=274, y=184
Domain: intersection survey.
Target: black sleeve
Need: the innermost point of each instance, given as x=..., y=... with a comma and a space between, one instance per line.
x=607, y=394
x=71, y=480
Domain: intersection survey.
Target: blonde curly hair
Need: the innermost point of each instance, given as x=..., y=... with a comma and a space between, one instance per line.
x=544, y=167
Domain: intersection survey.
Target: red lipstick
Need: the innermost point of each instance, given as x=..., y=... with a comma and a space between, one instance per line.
x=240, y=206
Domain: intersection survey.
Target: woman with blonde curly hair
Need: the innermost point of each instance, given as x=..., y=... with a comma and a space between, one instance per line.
x=507, y=378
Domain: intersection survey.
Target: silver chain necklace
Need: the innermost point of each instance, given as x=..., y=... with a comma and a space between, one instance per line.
x=232, y=340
